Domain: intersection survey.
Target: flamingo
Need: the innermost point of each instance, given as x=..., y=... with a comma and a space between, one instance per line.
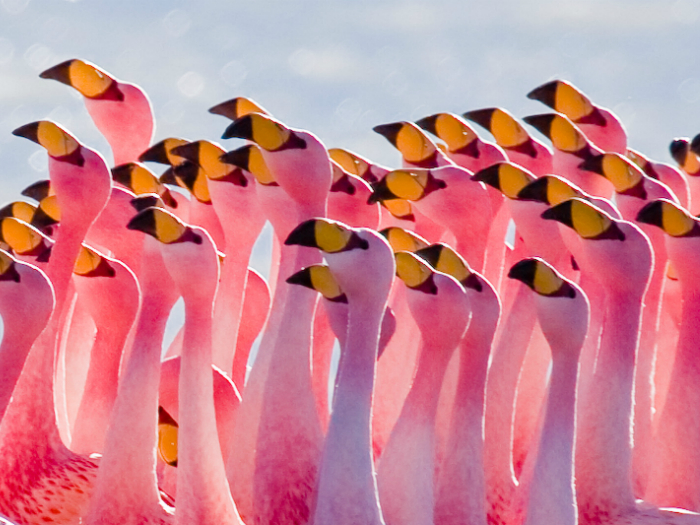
x=396, y=368
x=231, y=197
x=519, y=146
x=203, y=494
x=546, y=493
x=441, y=309
x=347, y=490
x=460, y=495
x=633, y=189
x=289, y=436
x=466, y=149
x=110, y=292
x=673, y=482
x=604, y=490
x=32, y=453
x=469, y=226
x=416, y=148
x=121, y=110
x=394, y=212
x=670, y=176
x=126, y=488
x=26, y=296
x=570, y=147
x=602, y=127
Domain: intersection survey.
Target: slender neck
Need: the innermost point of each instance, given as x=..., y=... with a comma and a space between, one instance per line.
x=475, y=349
x=130, y=443
x=203, y=491
x=100, y=390
x=355, y=383
x=603, y=465
x=551, y=487
x=14, y=349
x=421, y=403
x=29, y=424
x=228, y=306
x=501, y=386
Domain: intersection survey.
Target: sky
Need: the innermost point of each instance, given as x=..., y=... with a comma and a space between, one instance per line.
x=339, y=68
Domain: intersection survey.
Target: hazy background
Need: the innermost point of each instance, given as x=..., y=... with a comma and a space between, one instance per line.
x=339, y=68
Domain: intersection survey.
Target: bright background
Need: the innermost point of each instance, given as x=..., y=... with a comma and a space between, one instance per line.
x=339, y=68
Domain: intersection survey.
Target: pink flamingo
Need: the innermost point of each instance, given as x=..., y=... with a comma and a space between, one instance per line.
x=347, y=490
x=546, y=492
x=470, y=226
x=139, y=179
x=289, y=436
x=571, y=147
x=394, y=212
x=26, y=296
x=126, y=488
x=256, y=307
x=416, y=148
x=32, y=453
x=633, y=189
x=232, y=196
x=396, y=368
x=519, y=146
x=673, y=480
x=602, y=127
x=110, y=293
x=203, y=494
x=603, y=466
x=466, y=149
x=460, y=495
x=670, y=176
x=406, y=468
x=199, y=207
x=120, y=110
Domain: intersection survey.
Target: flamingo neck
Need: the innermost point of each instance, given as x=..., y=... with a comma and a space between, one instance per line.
x=550, y=487
x=422, y=401
x=134, y=415
x=203, y=492
x=603, y=465
x=29, y=428
x=14, y=349
x=100, y=390
x=355, y=382
x=501, y=386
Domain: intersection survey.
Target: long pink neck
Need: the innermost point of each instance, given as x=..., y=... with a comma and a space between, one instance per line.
x=288, y=415
x=643, y=382
x=406, y=485
x=241, y=463
x=461, y=491
x=675, y=480
x=603, y=464
x=29, y=428
x=203, y=494
x=395, y=369
x=130, y=443
x=100, y=390
x=551, y=488
x=228, y=306
x=501, y=385
x=232, y=205
x=14, y=349
x=346, y=474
